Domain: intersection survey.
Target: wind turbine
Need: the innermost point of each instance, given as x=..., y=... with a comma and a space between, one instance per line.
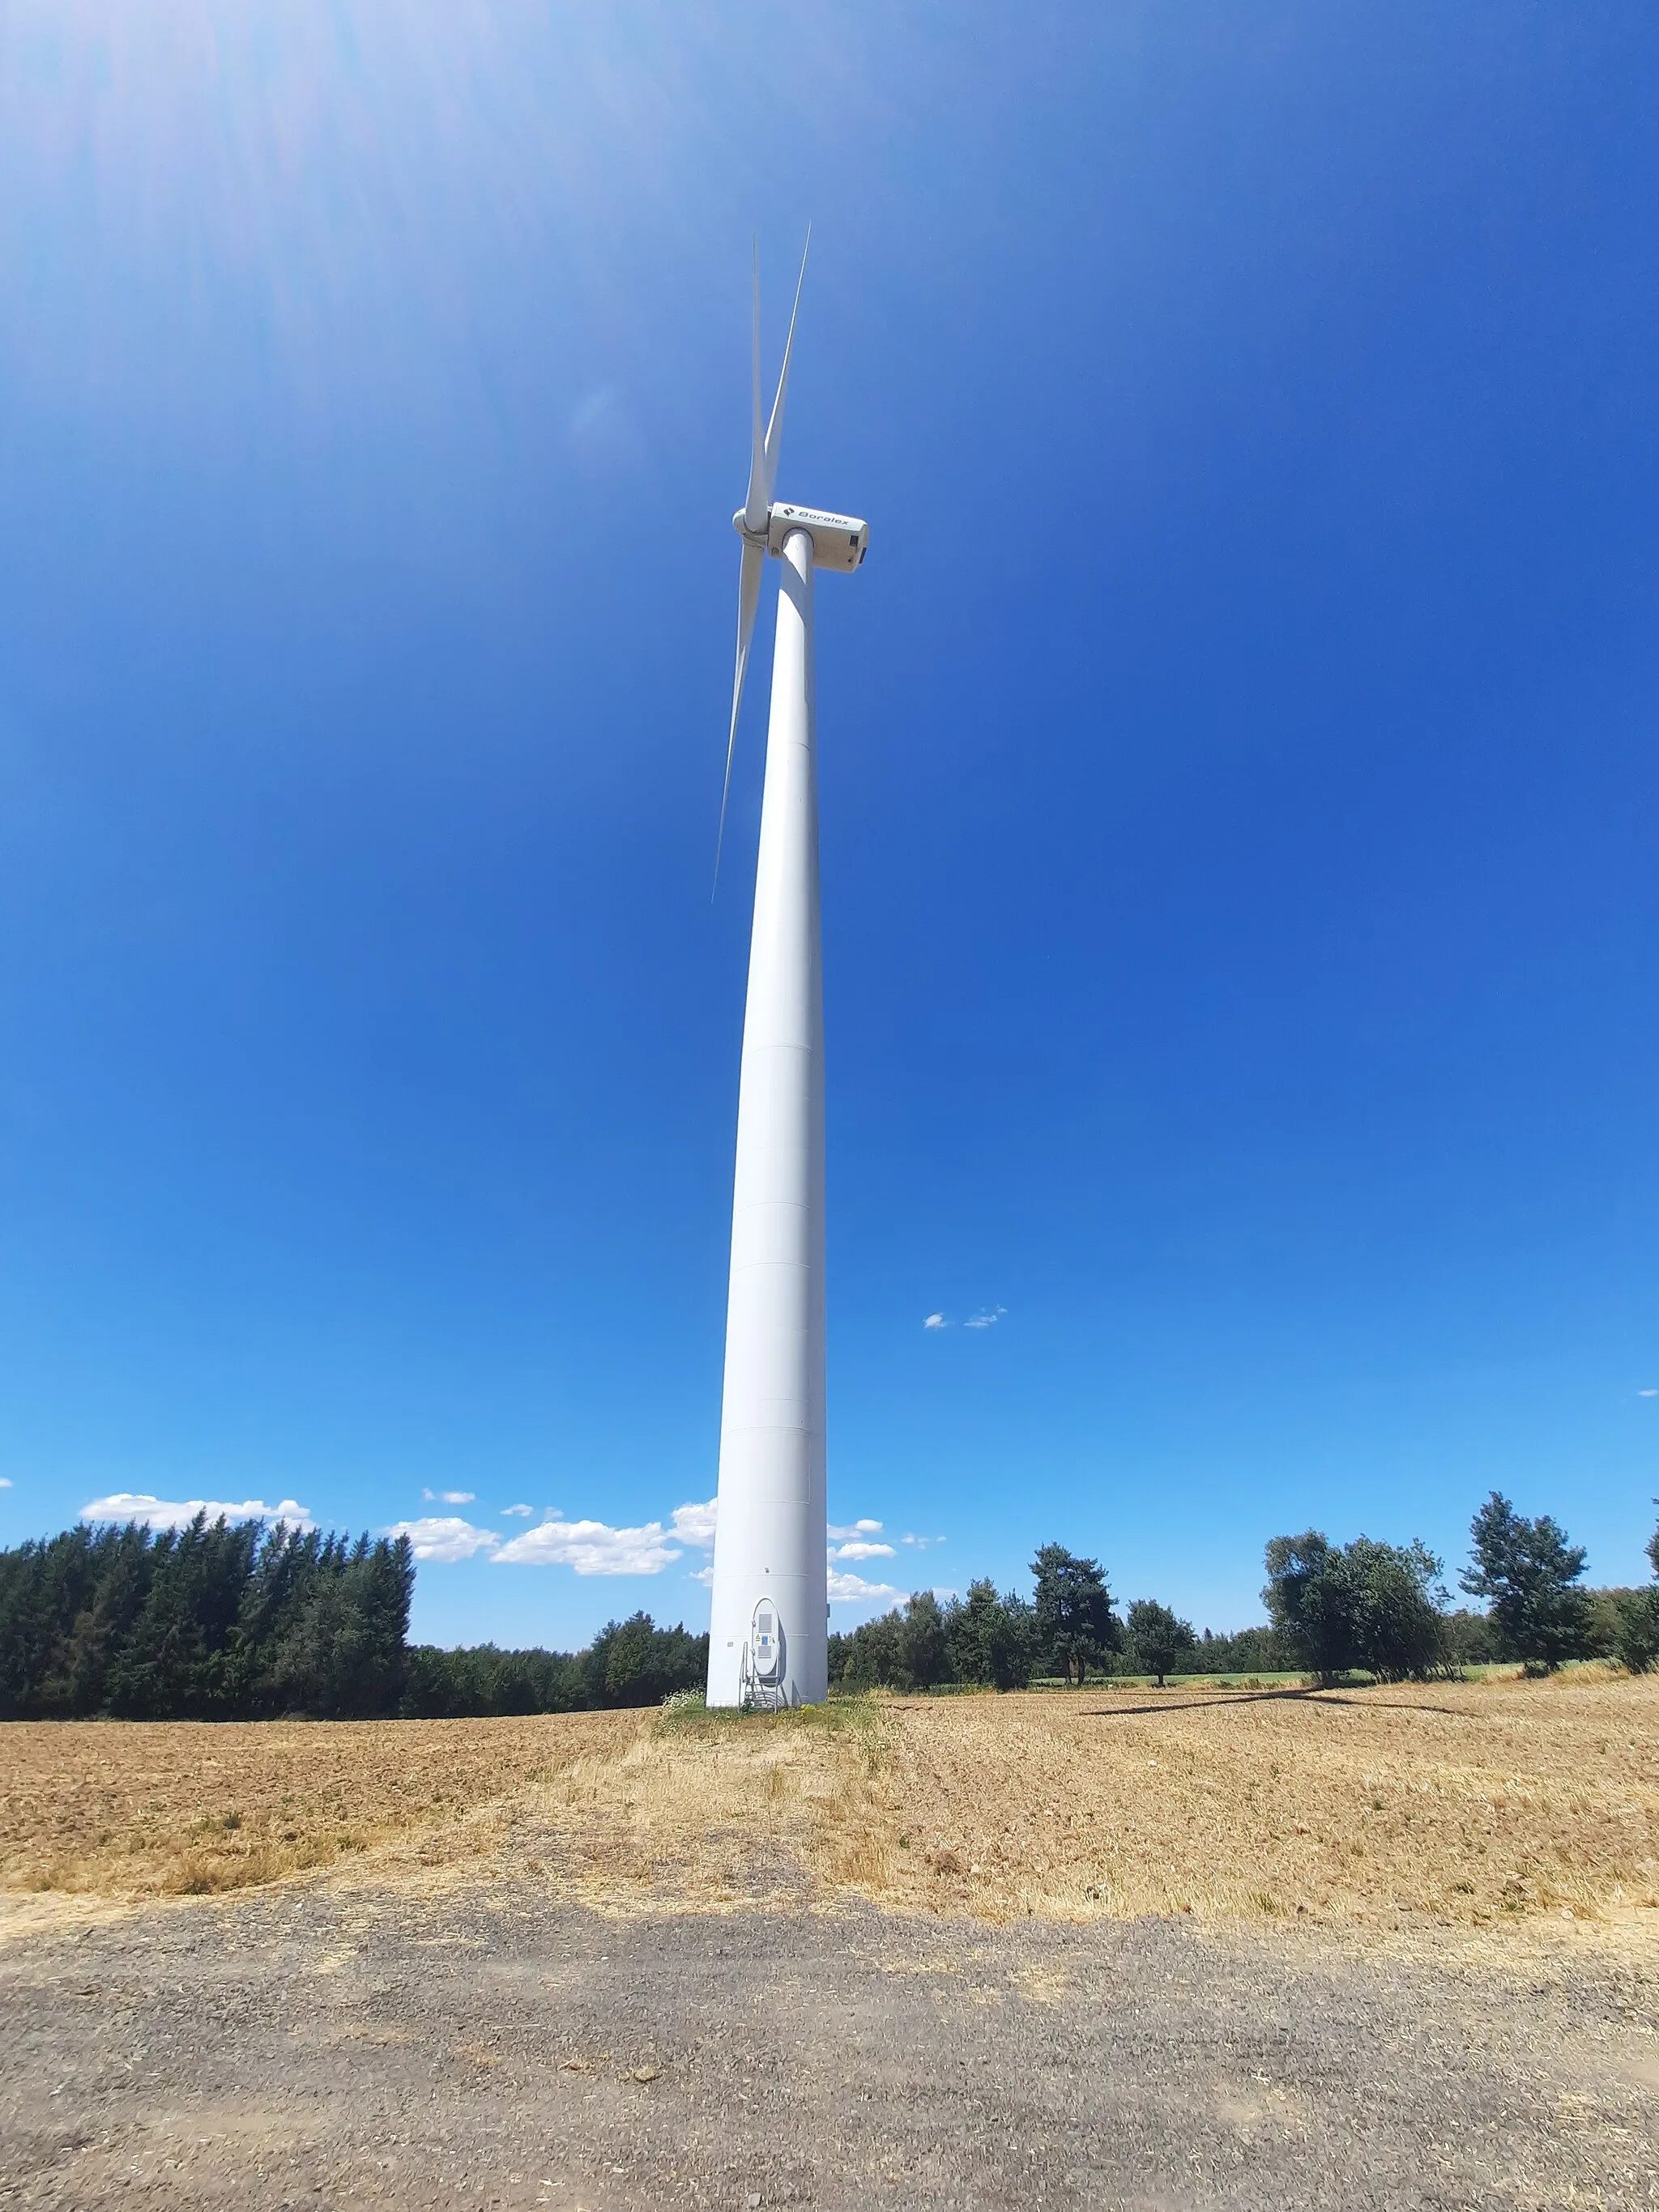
x=769, y=1637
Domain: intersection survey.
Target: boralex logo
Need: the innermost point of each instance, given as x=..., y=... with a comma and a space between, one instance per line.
x=811, y=515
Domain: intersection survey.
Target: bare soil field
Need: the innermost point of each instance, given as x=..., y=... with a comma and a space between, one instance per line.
x=1470, y=1804
x=1479, y=1805
x=136, y=1808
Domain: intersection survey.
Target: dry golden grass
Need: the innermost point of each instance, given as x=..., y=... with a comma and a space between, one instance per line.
x=136, y=1808
x=1473, y=1803
x=1485, y=1804
x=704, y=1811
x=678, y=1807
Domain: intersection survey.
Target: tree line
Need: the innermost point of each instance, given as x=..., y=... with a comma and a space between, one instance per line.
x=1364, y=1607
x=630, y=1662
x=237, y=1621
x=223, y=1621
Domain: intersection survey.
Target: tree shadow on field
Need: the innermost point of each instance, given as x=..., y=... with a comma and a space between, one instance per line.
x=1362, y=1698
x=1195, y=1705
x=1395, y=1705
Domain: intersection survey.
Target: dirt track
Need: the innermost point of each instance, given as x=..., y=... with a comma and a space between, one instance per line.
x=347, y=2043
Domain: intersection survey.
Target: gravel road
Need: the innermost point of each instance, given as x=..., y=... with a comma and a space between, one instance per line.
x=335, y=2044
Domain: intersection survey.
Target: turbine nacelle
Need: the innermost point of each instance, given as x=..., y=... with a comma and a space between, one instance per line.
x=840, y=541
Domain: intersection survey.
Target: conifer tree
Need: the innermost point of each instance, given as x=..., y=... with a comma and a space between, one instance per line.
x=1528, y=1572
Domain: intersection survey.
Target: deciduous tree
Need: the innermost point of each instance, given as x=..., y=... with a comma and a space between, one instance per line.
x=1156, y=1638
x=1304, y=1603
x=1376, y=1607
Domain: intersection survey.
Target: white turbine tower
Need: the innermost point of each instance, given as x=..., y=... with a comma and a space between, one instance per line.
x=769, y=1640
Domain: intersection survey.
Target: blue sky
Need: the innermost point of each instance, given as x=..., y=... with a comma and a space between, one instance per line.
x=1237, y=755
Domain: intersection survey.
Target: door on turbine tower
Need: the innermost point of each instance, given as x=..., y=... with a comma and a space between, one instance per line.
x=766, y=1643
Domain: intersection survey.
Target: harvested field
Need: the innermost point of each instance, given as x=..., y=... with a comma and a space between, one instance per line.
x=1473, y=1803
x=1481, y=1805
x=132, y=1809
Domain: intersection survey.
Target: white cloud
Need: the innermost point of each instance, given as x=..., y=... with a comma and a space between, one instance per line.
x=852, y=1590
x=450, y=1496
x=441, y=1537
x=593, y=1547
x=856, y=1541
x=694, y=1525
x=921, y=1543
x=1640, y=1394
x=5, y=1482
x=175, y=1513
x=936, y=1320
x=987, y=1317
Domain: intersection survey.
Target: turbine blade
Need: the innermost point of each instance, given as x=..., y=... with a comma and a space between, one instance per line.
x=775, y=428
x=757, y=498
x=749, y=584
